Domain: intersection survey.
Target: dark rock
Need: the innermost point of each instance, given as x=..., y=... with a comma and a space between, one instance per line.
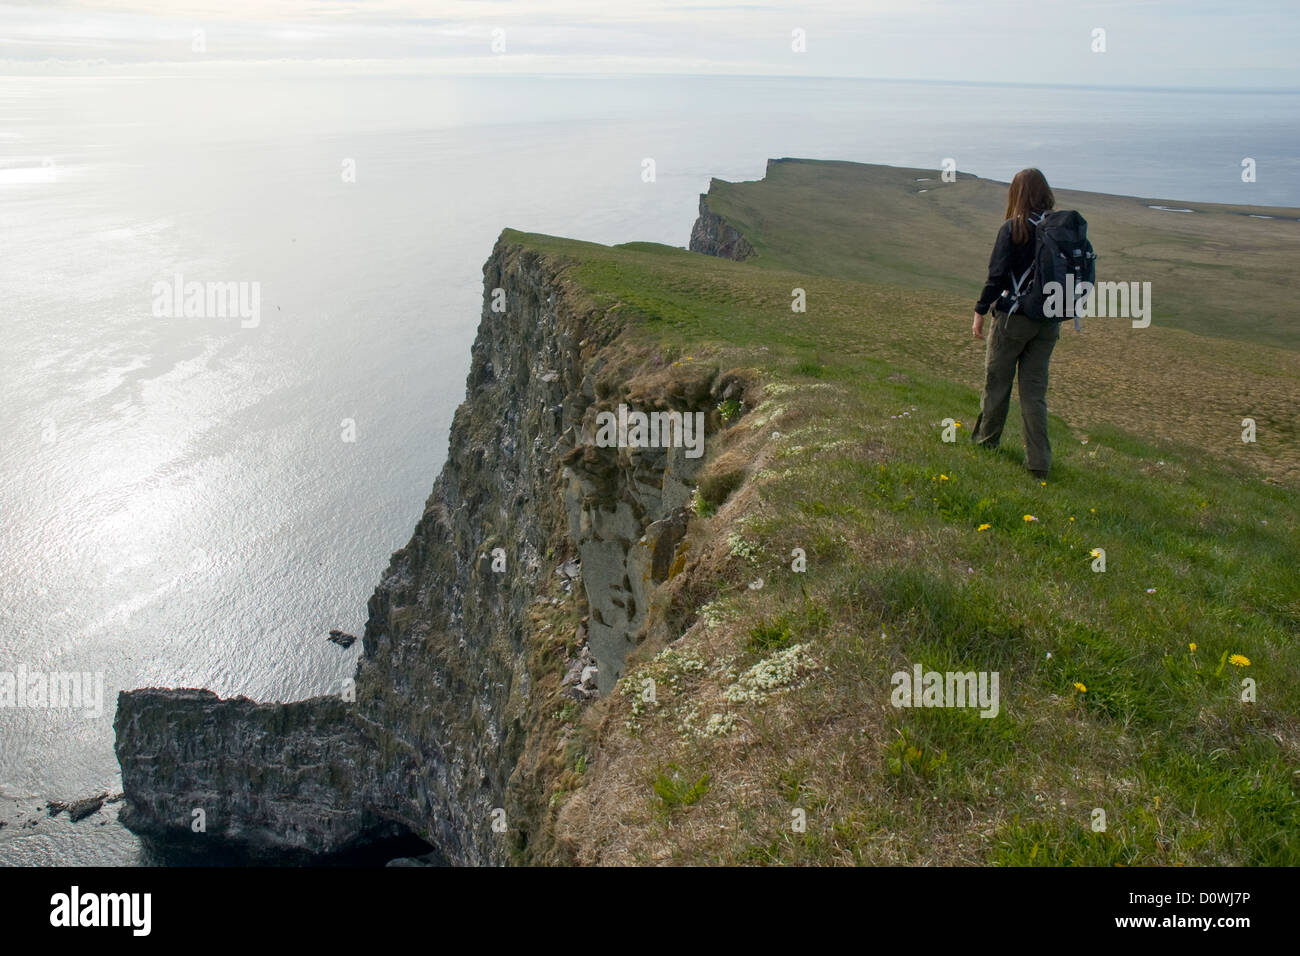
x=341, y=639
x=267, y=777
x=80, y=809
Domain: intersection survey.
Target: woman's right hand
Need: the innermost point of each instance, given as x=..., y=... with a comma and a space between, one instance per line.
x=977, y=327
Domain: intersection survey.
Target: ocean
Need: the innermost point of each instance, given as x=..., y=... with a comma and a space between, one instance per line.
x=198, y=501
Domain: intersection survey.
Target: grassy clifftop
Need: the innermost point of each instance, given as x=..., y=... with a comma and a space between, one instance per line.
x=1223, y=271
x=1121, y=691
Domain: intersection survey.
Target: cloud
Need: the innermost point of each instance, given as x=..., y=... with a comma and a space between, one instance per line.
x=1150, y=42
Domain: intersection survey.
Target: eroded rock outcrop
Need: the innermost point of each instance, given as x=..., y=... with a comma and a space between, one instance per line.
x=627, y=514
x=279, y=778
x=714, y=236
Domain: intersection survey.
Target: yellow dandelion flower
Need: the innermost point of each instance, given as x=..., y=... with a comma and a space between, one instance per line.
x=1080, y=688
x=1093, y=510
x=1071, y=517
x=1043, y=483
x=1239, y=660
x=943, y=477
x=1192, y=647
x=984, y=527
x=1095, y=553
x=1030, y=518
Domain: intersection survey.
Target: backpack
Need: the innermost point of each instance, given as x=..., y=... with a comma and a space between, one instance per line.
x=1060, y=280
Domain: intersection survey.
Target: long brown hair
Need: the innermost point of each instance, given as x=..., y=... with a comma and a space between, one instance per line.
x=1029, y=193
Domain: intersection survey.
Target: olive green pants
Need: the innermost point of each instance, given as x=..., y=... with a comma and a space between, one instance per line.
x=1017, y=345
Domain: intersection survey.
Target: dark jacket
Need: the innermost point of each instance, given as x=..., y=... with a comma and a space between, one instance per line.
x=1008, y=258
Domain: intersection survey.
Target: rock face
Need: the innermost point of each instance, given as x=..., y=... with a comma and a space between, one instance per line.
x=627, y=514
x=714, y=236
x=428, y=736
x=300, y=784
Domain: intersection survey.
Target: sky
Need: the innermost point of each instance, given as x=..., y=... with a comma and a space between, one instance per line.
x=1159, y=43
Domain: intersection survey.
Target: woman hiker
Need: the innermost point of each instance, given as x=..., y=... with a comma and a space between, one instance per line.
x=1014, y=341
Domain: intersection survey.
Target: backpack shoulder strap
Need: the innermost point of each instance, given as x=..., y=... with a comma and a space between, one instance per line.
x=1018, y=285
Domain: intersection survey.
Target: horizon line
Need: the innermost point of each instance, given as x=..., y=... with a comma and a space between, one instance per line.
x=86, y=70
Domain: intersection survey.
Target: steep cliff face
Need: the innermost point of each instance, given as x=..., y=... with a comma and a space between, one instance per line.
x=301, y=785
x=714, y=236
x=446, y=693
x=627, y=507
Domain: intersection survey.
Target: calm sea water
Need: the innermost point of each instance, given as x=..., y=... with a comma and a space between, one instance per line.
x=178, y=505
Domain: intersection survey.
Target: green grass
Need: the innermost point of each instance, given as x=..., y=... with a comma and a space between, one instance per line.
x=1196, y=558
x=675, y=790
x=1199, y=550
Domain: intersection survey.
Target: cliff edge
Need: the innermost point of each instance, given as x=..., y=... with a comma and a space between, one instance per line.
x=479, y=606
x=714, y=236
